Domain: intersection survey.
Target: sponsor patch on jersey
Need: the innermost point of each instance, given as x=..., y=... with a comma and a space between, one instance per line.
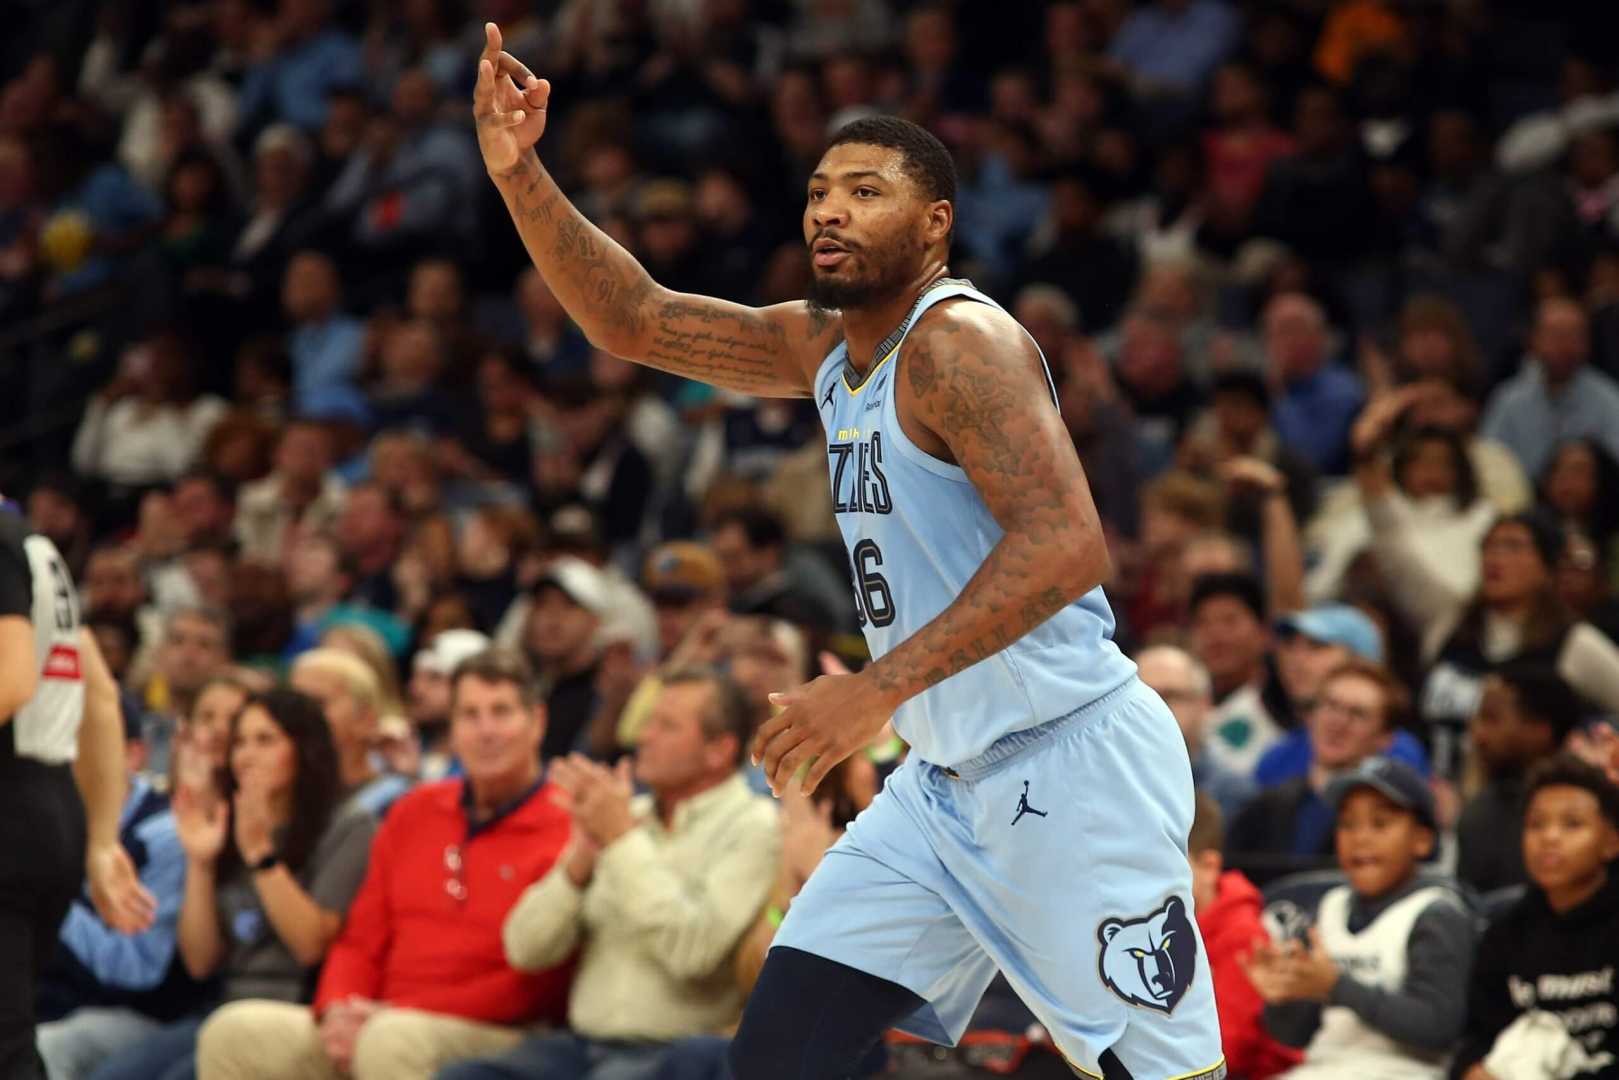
x=62, y=662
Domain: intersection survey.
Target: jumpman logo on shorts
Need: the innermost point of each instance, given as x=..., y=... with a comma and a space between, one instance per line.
x=1023, y=806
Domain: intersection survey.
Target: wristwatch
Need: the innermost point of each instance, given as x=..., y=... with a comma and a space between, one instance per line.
x=269, y=862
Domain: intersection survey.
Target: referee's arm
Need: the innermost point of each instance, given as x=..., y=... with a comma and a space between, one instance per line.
x=115, y=888
x=99, y=767
x=19, y=667
x=19, y=664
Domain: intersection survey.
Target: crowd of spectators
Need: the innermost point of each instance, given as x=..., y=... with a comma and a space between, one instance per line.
x=1329, y=290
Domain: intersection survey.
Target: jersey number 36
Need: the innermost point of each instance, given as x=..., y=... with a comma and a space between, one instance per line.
x=873, y=601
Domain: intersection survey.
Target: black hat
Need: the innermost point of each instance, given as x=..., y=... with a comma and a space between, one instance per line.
x=1395, y=780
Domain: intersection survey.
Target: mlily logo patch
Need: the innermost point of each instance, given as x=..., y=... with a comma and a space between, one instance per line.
x=62, y=662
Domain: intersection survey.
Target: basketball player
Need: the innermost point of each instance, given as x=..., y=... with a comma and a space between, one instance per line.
x=1040, y=824
x=58, y=722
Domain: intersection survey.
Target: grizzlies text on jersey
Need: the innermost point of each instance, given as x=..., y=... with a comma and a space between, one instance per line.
x=916, y=530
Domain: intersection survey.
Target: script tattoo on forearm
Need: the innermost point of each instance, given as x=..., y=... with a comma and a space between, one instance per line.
x=617, y=303
x=703, y=341
x=990, y=413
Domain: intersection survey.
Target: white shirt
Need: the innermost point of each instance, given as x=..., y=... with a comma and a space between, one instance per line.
x=131, y=442
x=660, y=921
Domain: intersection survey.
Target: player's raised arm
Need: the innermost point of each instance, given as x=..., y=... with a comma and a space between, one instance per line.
x=768, y=352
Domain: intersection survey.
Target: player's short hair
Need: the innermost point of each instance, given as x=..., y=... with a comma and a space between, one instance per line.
x=1208, y=826
x=1566, y=770
x=925, y=159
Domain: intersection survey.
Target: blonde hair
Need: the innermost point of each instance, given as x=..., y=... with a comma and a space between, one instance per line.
x=356, y=675
x=1188, y=496
x=360, y=640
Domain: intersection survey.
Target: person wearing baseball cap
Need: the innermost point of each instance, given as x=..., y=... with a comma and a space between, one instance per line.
x=1398, y=783
x=685, y=583
x=1380, y=986
x=684, y=579
x=1310, y=645
x=572, y=610
x=428, y=706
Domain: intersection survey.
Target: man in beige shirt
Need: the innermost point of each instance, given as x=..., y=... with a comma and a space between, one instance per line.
x=654, y=892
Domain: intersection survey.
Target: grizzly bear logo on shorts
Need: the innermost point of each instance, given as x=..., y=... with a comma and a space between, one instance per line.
x=1149, y=961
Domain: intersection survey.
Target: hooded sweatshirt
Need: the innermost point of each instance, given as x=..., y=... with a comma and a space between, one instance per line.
x=1533, y=958
x=1231, y=928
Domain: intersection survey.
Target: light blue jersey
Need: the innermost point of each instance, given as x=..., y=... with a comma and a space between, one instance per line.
x=1039, y=827
x=917, y=530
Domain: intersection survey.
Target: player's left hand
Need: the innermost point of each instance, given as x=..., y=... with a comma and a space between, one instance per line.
x=116, y=890
x=818, y=725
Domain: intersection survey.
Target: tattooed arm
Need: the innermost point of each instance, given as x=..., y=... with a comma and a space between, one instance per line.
x=768, y=352
x=974, y=393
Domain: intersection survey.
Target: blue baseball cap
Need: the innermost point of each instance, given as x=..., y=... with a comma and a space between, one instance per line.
x=1394, y=780
x=1337, y=624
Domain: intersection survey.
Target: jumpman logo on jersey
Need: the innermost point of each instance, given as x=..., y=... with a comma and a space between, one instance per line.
x=831, y=395
x=1023, y=806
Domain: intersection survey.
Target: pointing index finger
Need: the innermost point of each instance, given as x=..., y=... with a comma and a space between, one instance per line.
x=491, y=42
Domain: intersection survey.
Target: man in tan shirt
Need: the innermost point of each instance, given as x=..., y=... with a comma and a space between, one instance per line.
x=654, y=892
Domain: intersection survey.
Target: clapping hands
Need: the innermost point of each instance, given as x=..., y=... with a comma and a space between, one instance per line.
x=597, y=797
x=1291, y=971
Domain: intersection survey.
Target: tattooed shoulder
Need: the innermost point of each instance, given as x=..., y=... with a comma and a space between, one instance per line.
x=821, y=320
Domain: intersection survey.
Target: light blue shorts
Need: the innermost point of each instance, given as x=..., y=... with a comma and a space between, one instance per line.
x=1059, y=857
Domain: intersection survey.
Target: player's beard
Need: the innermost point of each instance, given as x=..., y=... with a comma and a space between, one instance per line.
x=884, y=272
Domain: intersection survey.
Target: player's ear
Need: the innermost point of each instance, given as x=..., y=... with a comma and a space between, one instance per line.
x=1109, y=930
x=941, y=216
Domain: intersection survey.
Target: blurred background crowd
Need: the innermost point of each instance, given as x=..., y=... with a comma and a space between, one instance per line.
x=1329, y=289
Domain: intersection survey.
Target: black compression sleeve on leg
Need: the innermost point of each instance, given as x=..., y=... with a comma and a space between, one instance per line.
x=810, y=1018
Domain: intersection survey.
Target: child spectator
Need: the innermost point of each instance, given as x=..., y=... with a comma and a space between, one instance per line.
x=1378, y=990
x=1524, y=716
x=1289, y=827
x=1555, y=949
x=1228, y=908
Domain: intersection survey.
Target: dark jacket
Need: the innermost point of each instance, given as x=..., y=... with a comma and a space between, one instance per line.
x=1489, y=836
x=1532, y=957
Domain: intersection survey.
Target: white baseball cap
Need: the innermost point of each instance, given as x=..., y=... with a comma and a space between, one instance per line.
x=448, y=648
x=582, y=583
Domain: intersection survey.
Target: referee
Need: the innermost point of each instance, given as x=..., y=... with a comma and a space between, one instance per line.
x=59, y=728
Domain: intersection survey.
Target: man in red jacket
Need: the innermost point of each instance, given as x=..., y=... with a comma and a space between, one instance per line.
x=1228, y=910
x=418, y=976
